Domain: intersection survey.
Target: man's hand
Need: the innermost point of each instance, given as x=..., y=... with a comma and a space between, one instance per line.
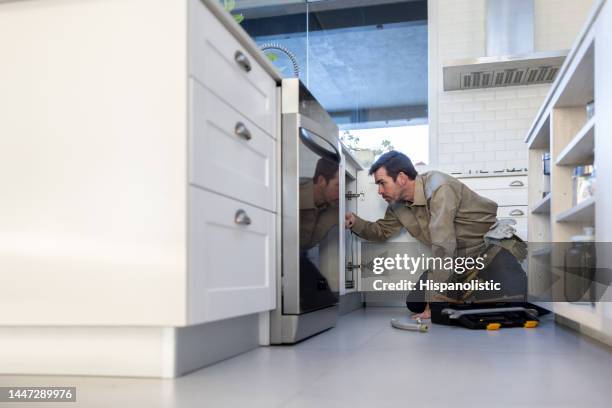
x=349, y=220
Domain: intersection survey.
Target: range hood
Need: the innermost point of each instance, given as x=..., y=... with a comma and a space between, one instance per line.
x=510, y=60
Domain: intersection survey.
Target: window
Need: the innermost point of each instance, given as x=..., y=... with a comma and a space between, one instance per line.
x=364, y=60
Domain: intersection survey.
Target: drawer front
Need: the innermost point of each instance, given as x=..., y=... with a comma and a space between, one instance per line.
x=228, y=153
x=493, y=183
x=516, y=211
x=220, y=62
x=506, y=197
x=231, y=262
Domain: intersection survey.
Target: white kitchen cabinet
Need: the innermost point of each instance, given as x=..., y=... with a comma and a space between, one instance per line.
x=509, y=191
x=130, y=140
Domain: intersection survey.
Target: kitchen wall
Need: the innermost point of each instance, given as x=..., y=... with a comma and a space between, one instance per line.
x=484, y=129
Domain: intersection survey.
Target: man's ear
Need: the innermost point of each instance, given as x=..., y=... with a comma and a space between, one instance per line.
x=320, y=179
x=402, y=178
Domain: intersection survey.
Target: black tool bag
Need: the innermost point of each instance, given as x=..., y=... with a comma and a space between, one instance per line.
x=486, y=315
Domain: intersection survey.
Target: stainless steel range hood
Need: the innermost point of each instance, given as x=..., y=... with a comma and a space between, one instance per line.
x=510, y=60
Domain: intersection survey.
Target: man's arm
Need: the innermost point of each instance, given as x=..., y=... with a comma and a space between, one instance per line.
x=381, y=230
x=443, y=208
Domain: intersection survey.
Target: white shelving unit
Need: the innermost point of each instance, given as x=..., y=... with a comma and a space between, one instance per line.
x=542, y=206
x=581, y=149
x=563, y=130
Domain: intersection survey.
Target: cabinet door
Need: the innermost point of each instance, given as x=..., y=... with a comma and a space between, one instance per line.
x=231, y=258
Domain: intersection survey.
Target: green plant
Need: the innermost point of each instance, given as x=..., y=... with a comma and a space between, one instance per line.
x=230, y=5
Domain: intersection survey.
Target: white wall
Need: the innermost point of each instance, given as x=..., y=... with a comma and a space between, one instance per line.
x=484, y=129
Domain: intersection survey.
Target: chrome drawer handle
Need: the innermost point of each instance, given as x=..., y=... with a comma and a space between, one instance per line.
x=516, y=213
x=241, y=218
x=241, y=130
x=517, y=183
x=243, y=61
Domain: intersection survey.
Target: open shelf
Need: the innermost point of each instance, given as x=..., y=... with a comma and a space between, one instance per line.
x=539, y=135
x=577, y=85
x=580, y=149
x=542, y=206
x=585, y=211
x=542, y=252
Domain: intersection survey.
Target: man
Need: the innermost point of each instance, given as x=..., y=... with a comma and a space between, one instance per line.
x=441, y=212
x=319, y=214
x=319, y=200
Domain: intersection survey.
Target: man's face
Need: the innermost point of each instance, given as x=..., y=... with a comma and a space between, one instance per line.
x=389, y=190
x=332, y=191
x=328, y=191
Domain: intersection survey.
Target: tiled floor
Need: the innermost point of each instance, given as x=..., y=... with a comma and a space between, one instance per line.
x=364, y=362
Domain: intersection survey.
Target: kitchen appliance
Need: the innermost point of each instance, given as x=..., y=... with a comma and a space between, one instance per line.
x=308, y=286
x=510, y=59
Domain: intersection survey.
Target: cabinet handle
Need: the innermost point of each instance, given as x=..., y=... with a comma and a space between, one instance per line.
x=516, y=213
x=243, y=61
x=241, y=218
x=517, y=183
x=241, y=130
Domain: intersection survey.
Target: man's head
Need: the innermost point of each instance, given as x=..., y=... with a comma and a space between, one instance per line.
x=394, y=174
x=326, y=182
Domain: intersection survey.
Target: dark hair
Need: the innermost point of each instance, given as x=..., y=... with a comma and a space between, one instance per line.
x=326, y=169
x=395, y=162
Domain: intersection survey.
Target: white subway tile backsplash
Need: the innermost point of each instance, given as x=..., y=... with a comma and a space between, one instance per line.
x=485, y=128
x=451, y=127
x=449, y=107
x=484, y=137
x=528, y=92
x=505, y=114
x=494, y=146
x=496, y=125
x=508, y=134
x=506, y=155
x=486, y=96
x=474, y=126
x=496, y=105
x=463, y=96
x=463, y=157
x=474, y=147
x=463, y=137
x=485, y=115
x=445, y=118
x=502, y=94
x=528, y=113
x=451, y=148
x=463, y=117
x=474, y=106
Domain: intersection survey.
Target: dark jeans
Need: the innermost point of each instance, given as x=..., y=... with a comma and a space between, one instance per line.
x=503, y=269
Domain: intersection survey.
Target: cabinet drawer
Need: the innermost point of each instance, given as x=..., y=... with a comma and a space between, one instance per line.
x=493, y=183
x=228, y=153
x=516, y=211
x=218, y=60
x=231, y=262
x=506, y=197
